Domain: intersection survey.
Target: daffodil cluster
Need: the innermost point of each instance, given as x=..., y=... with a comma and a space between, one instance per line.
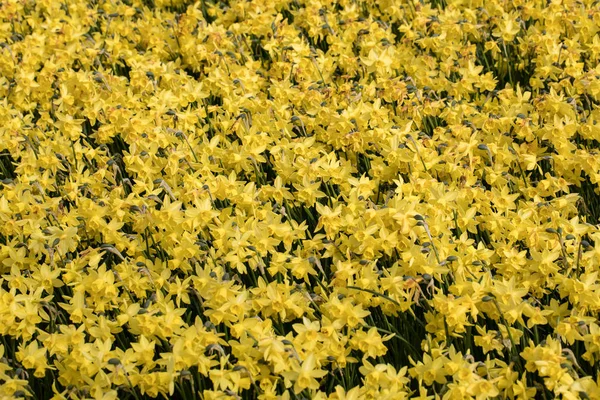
x=324, y=199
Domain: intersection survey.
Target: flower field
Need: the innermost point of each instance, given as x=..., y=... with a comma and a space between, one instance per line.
x=324, y=199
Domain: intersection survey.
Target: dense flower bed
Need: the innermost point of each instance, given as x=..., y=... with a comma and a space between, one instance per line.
x=299, y=199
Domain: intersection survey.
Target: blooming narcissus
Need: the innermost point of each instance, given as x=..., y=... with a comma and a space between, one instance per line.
x=305, y=375
x=324, y=199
